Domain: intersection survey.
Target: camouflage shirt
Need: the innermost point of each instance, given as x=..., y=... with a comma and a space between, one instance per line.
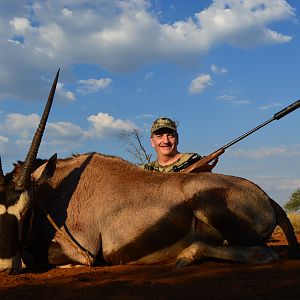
x=155, y=166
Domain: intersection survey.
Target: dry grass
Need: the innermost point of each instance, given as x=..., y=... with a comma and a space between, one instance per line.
x=295, y=220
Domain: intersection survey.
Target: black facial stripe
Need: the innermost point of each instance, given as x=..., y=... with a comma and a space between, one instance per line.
x=9, y=241
x=9, y=196
x=26, y=227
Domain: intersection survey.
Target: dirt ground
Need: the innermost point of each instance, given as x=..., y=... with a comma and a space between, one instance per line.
x=207, y=280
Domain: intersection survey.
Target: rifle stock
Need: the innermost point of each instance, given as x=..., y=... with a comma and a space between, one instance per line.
x=203, y=165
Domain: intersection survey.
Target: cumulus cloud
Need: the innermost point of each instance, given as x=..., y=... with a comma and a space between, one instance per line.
x=122, y=35
x=3, y=139
x=103, y=125
x=244, y=23
x=241, y=102
x=217, y=70
x=233, y=98
x=60, y=137
x=270, y=106
x=18, y=131
x=64, y=131
x=20, y=25
x=3, y=143
x=200, y=83
x=264, y=152
x=66, y=13
x=22, y=128
x=146, y=116
x=93, y=85
x=225, y=97
x=278, y=183
x=149, y=75
x=64, y=94
x=21, y=125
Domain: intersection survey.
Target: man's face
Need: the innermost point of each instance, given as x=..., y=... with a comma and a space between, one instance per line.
x=165, y=141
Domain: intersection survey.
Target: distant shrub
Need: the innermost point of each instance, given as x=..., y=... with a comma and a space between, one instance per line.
x=294, y=202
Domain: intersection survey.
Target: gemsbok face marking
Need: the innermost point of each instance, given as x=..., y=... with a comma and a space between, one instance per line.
x=14, y=209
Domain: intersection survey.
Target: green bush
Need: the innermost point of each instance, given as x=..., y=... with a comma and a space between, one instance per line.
x=294, y=202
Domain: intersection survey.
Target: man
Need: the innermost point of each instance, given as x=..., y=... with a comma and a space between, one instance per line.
x=164, y=140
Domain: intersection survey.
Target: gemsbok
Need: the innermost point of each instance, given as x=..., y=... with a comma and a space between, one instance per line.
x=91, y=207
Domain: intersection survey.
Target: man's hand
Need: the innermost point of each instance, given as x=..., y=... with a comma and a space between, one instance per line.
x=206, y=164
x=205, y=168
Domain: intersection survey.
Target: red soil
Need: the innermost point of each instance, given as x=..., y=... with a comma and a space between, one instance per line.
x=206, y=280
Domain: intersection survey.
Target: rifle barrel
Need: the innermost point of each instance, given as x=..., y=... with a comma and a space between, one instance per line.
x=287, y=110
x=276, y=116
x=247, y=133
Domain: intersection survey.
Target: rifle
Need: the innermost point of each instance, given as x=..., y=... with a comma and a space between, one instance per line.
x=203, y=165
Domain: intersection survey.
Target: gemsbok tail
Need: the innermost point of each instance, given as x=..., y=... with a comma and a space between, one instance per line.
x=284, y=222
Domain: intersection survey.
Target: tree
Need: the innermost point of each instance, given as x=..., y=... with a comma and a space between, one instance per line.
x=134, y=146
x=294, y=202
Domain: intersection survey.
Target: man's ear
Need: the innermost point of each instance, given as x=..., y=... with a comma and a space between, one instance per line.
x=152, y=142
x=177, y=139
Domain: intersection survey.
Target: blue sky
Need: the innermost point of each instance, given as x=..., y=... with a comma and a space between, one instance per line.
x=219, y=68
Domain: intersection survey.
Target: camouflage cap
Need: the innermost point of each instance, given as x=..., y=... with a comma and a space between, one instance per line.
x=163, y=123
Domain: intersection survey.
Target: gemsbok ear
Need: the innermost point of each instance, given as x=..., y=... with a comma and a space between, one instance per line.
x=48, y=170
x=50, y=167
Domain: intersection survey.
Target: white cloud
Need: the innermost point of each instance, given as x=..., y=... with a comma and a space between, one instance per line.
x=278, y=183
x=241, y=102
x=104, y=125
x=21, y=125
x=233, y=98
x=59, y=137
x=264, y=152
x=225, y=97
x=147, y=116
x=19, y=130
x=149, y=76
x=63, y=94
x=93, y=85
x=20, y=25
x=244, y=23
x=3, y=139
x=3, y=143
x=277, y=187
x=200, y=83
x=63, y=130
x=217, y=70
x=66, y=12
x=141, y=91
x=270, y=105
x=123, y=35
